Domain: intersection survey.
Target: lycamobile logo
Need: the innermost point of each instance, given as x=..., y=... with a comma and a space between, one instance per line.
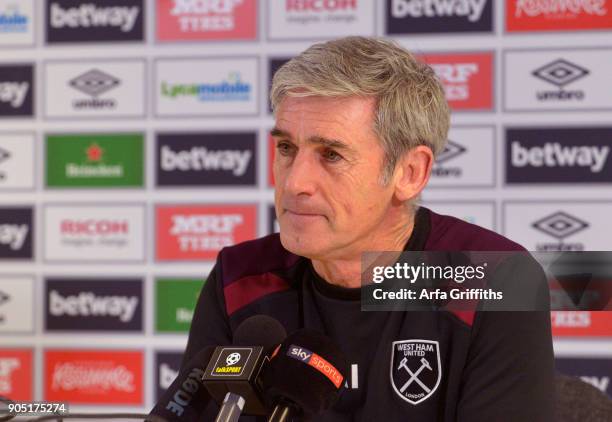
x=12, y=21
x=230, y=89
x=95, y=160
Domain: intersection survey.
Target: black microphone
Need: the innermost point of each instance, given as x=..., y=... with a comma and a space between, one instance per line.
x=305, y=376
x=186, y=398
x=232, y=376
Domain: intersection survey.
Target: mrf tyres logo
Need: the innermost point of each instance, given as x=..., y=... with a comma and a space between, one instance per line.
x=415, y=369
x=559, y=155
x=428, y=16
x=16, y=233
x=451, y=150
x=560, y=73
x=16, y=86
x=206, y=159
x=94, y=83
x=560, y=225
x=559, y=9
x=94, y=305
x=205, y=232
x=94, y=20
x=205, y=15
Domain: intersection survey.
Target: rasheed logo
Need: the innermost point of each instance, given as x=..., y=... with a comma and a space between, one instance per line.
x=415, y=369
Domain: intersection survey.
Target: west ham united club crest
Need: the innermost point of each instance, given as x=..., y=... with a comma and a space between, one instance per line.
x=415, y=369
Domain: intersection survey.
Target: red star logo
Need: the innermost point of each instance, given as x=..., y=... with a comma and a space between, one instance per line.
x=94, y=153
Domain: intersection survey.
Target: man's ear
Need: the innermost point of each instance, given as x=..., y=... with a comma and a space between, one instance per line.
x=412, y=172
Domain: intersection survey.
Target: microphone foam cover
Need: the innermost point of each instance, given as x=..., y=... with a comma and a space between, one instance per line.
x=308, y=369
x=259, y=330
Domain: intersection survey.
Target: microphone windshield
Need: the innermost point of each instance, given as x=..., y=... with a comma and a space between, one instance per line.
x=259, y=330
x=308, y=370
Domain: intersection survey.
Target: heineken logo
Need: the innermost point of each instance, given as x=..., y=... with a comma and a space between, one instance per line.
x=93, y=167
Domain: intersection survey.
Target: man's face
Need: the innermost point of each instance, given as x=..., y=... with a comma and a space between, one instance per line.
x=329, y=200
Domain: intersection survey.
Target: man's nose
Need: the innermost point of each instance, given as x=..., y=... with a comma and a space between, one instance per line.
x=301, y=174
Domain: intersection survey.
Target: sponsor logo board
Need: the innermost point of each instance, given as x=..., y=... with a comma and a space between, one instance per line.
x=16, y=374
x=467, y=160
x=95, y=160
x=167, y=366
x=307, y=19
x=93, y=304
x=16, y=304
x=95, y=89
x=273, y=65
x=559, y=226
x=202, y=159
x=16, y=161
x=581, y=324
x=467, y=79
x=94, y=233
x=175, y=300
x=557, y=79
x=558, y=15
x=17, y=22
x=101, y=377
x=559, y=155
x=205, y=20
x=83, y=21
x=594, y=371
x=16, y=90
x=479, y=213
x=211, y=86
x=16, y=233
x=438, y=16
x=194, y=232
x=271, y=152
x=273, y=226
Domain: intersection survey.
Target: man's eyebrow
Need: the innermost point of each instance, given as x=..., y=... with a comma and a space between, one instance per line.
x=331, y=143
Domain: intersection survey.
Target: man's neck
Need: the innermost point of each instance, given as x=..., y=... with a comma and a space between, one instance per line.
x=346, y=272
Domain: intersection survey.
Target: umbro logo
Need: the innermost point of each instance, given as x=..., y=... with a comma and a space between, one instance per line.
x=560, y=73
x=560, y=225
x=4, y=298
x=451, y=150
x=4, y=155
x=94, y=82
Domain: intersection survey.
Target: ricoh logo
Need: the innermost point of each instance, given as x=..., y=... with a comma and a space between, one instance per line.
x=92, y=376
x=8, y=365
x=559, y=8
x=470, y=9
x=451, y=150
x=554, y=154
x=456, y=79
x=230, y=89
x=87, y=304
x=205, y=15
x=94, y=227
x=319, y=5
x=560, y=225
x=205, y=232
x=560, y=73
x=201, y=158
x=14, y=93
x=90, y=15
x=94, y=83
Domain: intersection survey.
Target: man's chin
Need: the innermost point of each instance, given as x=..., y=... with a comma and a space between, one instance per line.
x=305, y=245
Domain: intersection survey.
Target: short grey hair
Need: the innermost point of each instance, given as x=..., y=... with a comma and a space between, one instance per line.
x=411, y=107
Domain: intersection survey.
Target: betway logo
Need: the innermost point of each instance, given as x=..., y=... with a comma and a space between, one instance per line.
x=200, y=158
x=471, y=9
x=90, y=15
x=94, y=227
x=553, y=154
x=182, y=7
x=13, y=235
x=319, y=5
x=455, y=78
x=560, y=7
x=88, y=304
x=205, y=224
x=14, y=93
x=93, y=376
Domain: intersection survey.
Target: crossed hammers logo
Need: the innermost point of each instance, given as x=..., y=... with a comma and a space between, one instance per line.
x=414, y=376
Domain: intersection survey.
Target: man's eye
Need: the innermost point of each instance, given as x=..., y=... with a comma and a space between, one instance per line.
x=284, y=148
x=331, y=155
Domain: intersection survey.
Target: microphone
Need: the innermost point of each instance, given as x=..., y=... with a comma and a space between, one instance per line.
x=305, y=376
x=186, y=398
x=232, y=376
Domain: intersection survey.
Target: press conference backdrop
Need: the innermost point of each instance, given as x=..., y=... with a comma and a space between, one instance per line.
x=134, y=145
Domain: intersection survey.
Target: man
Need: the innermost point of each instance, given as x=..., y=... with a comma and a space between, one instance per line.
x=358, y=123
